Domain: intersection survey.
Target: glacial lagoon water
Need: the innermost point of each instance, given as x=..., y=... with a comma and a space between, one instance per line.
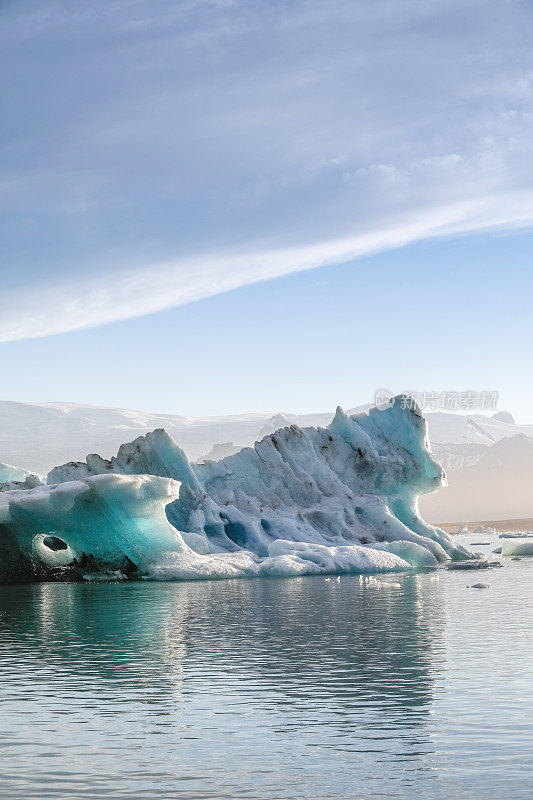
x=397, y=686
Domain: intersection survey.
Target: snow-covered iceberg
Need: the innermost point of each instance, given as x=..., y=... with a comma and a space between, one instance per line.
x=301, y=501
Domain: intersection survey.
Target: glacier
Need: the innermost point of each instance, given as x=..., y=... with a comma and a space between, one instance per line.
x=339, y=499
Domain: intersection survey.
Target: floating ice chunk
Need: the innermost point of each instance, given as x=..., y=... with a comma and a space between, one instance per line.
x=517, y=546
x=461, y=530
x=475, y=564
x=17, y=478
x=484, y=529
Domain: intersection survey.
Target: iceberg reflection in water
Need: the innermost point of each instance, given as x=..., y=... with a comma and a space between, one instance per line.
x=264, y=689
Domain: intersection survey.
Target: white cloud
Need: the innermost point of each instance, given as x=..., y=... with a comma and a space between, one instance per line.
x=79, y=304
x=238, y=142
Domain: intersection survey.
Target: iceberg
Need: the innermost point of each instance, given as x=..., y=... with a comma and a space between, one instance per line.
x=517, y=544
x=9, y=473
x=18, y=478
x=114, y=527
x=340, y=499
x=104, y=523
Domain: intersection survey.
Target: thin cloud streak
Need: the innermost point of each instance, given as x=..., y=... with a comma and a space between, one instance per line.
x=59, y=309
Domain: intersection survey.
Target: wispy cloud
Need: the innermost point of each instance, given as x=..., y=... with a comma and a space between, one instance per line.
x=238, y=142
x=79, y=303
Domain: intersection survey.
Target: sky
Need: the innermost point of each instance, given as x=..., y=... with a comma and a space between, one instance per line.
x=216, y=206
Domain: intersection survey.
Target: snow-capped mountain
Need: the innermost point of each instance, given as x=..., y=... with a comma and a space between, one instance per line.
x=38, y=436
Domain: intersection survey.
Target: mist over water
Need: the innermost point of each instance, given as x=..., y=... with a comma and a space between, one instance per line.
x=396, y=686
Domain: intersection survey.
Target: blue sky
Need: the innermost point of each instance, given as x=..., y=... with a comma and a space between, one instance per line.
x=217, y=205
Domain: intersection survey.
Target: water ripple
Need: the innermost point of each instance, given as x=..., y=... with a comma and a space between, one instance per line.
x=267, y=689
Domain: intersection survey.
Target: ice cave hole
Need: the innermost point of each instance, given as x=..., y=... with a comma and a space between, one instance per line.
x=54, y=543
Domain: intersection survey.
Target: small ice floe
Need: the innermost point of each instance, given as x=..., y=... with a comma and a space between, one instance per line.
x=462, y=529
x=479, y=586
x=379, y=583
x=484, y=529
x=520, y=544
x=385, y=584
x=478, y=563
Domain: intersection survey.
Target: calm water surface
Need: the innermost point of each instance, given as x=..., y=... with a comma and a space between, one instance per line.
x=392, y=687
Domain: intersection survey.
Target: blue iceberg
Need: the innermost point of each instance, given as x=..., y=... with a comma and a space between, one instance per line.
x=341, y=499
